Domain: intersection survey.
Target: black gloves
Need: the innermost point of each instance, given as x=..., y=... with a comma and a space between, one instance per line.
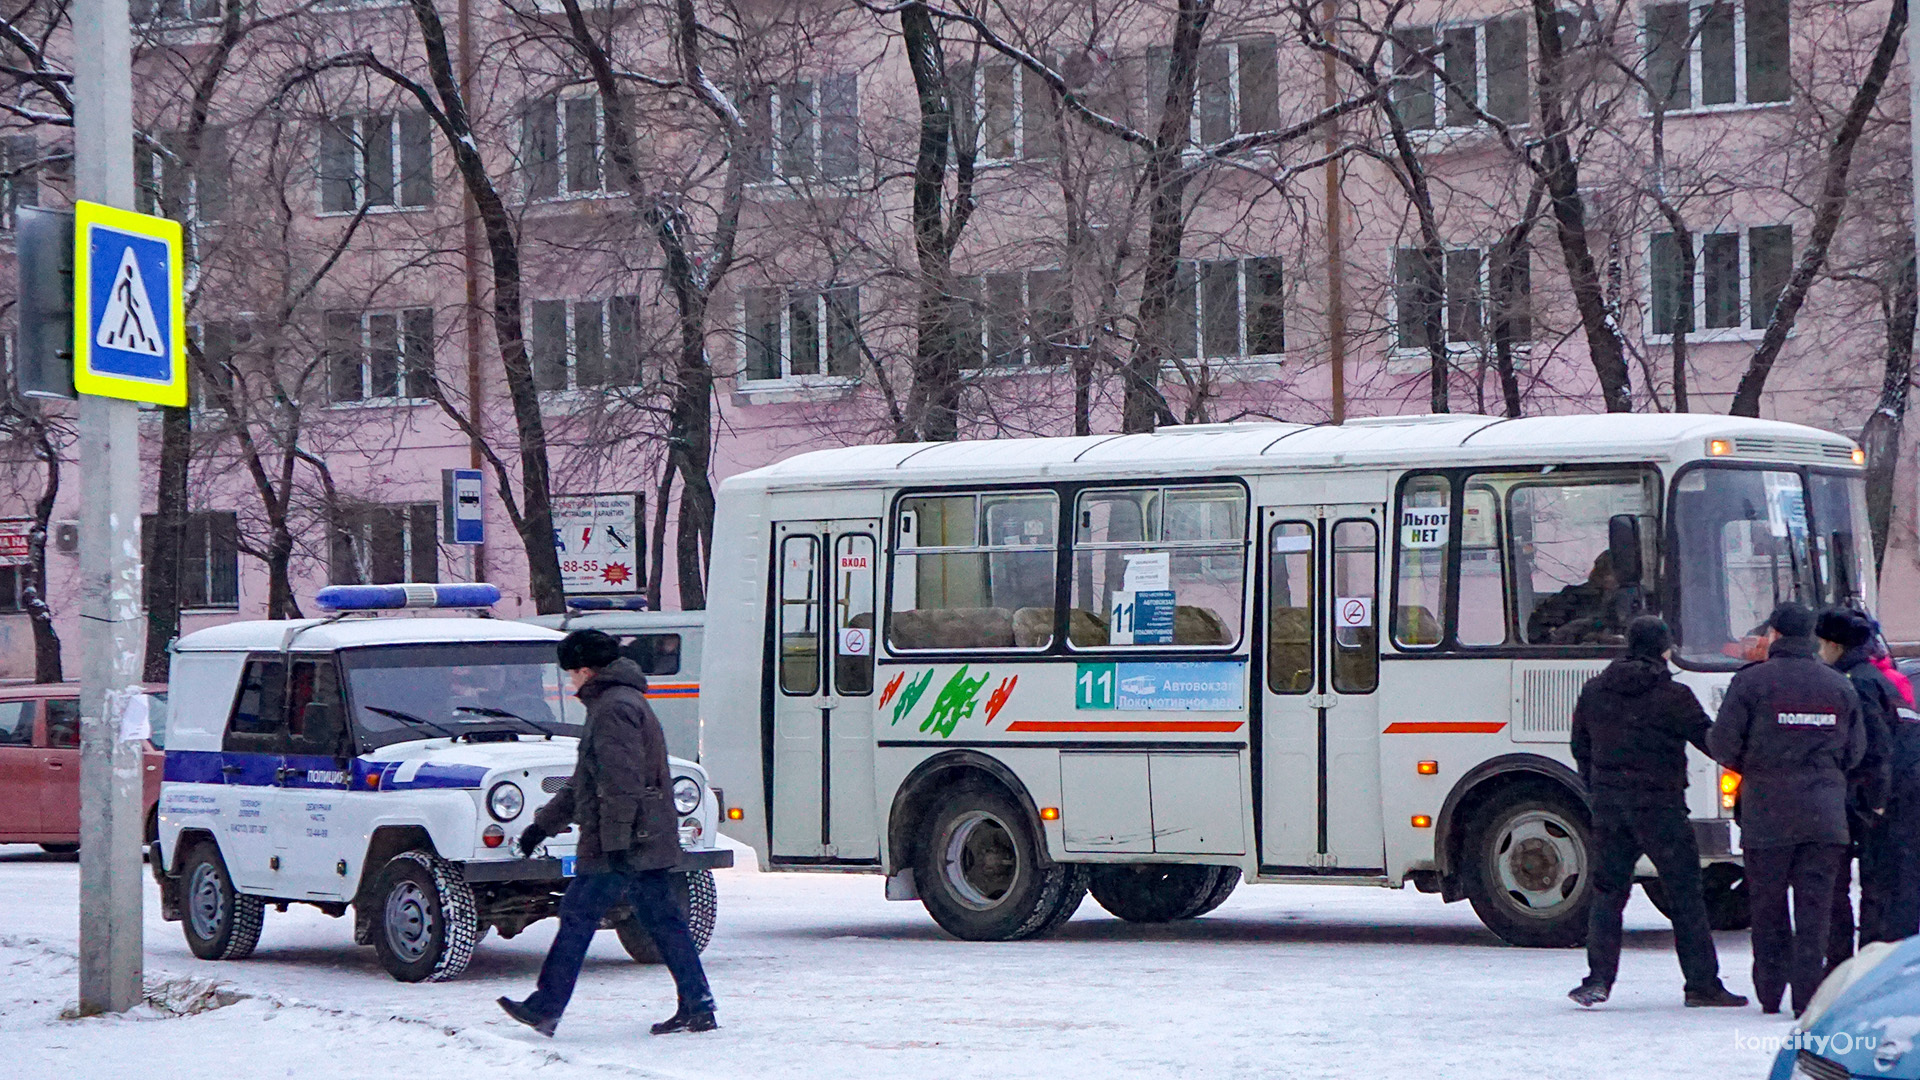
x=532, y=838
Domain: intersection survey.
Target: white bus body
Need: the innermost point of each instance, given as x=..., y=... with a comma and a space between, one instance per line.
x=1002, y=673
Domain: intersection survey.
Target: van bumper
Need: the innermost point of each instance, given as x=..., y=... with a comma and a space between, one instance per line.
x=493, y=870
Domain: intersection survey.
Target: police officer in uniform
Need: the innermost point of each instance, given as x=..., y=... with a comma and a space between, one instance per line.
x=1790, y=726
x=1846, y=638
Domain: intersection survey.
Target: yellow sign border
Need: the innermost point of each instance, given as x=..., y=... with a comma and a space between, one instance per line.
x=86, y=215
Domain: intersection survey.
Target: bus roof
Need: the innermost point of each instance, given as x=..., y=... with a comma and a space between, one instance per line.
x=1211, y=449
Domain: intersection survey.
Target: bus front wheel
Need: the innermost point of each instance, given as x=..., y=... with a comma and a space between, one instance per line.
x=979, y=871
x=1528, y=867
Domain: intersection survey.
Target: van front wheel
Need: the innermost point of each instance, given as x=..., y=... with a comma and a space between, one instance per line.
x=979, y=871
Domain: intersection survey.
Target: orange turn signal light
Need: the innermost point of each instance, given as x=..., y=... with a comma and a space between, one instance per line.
x=734, y=813
x=1859, y=456
x=1427, y=768
x=1719, y=447
x=1729, y=788
x=1422, y=821
x=1049, y=813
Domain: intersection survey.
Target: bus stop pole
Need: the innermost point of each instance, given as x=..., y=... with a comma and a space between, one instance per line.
x=111, y=826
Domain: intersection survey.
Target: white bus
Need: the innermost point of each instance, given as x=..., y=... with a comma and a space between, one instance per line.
x=1003, y=674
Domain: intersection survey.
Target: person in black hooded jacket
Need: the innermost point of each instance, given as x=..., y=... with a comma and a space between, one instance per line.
x=1631, y=728
x=1846, y=639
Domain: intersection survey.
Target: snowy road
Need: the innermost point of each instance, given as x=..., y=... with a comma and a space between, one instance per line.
x=818, y=976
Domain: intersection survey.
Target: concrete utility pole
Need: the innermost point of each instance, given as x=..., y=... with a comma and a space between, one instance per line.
x=110, y=641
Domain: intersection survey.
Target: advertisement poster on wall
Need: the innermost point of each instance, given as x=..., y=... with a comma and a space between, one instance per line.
x=599, y=542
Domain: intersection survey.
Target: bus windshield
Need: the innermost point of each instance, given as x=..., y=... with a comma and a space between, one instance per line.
x=1749, y=539
x=400, y=693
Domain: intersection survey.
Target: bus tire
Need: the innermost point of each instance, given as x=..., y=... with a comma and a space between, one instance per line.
x=1229, y=880
x=979, y=872
x=426, y=922
x=1528, y=867
x=220, y=922
x=1154, y=892
x=699, y=902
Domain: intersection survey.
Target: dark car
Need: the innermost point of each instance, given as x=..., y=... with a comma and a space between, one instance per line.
x=40, y=764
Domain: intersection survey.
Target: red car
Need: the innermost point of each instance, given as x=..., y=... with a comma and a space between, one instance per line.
x=40, y=764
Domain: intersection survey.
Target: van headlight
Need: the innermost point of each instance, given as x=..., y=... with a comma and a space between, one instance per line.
x=506, y=800
x=686, y=794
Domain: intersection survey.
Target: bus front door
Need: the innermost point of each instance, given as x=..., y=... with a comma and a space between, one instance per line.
x=1319, y=789
x=823, y=627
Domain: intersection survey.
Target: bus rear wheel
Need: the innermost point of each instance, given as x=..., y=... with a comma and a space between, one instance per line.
x=1528, y=860
x=979, y=871
x=1156, y=892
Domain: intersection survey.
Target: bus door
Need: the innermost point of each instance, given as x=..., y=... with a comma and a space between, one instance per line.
x=1319, y=792
x=823, y=628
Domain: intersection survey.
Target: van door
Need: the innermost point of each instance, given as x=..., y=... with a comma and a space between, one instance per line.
x=1319, y=797
x=822, y=622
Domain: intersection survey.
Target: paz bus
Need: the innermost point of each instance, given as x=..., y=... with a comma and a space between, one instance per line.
x=1003, y=674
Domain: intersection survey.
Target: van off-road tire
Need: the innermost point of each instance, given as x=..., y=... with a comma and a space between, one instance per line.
x=979, y=873
x=220, y=923
x=424, y=920
x=1155, y=892
x=699, y=902
x=1527, y=866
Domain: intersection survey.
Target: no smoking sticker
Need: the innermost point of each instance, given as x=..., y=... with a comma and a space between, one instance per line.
x=1353, y=611
x=855, y=641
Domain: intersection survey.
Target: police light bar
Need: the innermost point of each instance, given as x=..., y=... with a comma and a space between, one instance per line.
x=394, y=597
x=607, y=603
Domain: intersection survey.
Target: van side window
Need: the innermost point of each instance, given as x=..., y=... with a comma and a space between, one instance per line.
x=1159, y=566
x=1420, y=591
x=974, y=571
x=316, y=716
x=258, y=723
x=657, y=654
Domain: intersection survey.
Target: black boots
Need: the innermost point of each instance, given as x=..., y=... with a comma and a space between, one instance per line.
x=1589, y=993
x=520, y=1012
x=1717, y=998
x=687, y=1019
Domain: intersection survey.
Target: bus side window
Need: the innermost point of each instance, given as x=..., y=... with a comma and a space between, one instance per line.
x=1483, y=593
x=1159, y=566
x=1290, y=609
x=1420, y=593
x=1356, y=585
x=974, y=571
x=800, y=615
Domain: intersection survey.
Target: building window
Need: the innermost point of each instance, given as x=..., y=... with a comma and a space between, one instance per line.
x=222, y=343
x=1228, y=308
x=584, y=343
x=561, y=141
x=807, y=130
x=381, y=356
x=797, y=333
x=386, y=545
x=1717, y=53
x=168, y=187
x=1737, y=278
x=13, y=586
x=1008, y=112
x=209, y=568
x=19, y=175
x=376, y=160
x=1450, y=298
x=1236, y=91
x=1481, y=67
x=175, y=12
x=1019, y=318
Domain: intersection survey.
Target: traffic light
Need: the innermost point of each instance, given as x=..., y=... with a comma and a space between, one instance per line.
x=43, y=358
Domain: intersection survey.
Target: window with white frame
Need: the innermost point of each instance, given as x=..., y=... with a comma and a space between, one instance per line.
x=1737, y=278
x=562, y=147
x=794, y=332
x=807, y=129
x=376, y=160
x=167, y=185
x=1717, y=52
x=1457, y=71
x=1018, y=318
x=175, y=12
x=379, y=356
x=20, y=167
x=1008, y=112
x=1236, y=91
x=208, y=572
x=578, y=344
x=1228, y=309
x=1454, y=299
x=385, y=545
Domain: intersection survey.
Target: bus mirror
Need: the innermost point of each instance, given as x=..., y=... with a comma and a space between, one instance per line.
x=1623, y=546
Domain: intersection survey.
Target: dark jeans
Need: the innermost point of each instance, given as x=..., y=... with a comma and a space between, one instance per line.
x=651, y=894
x=1620, y=835
x=1791, y=951
x=1879, y=878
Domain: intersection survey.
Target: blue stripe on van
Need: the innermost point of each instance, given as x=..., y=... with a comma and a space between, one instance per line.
x=310, y=771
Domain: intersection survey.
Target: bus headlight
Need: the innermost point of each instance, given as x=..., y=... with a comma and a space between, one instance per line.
x=506, y=800
x=686, y=794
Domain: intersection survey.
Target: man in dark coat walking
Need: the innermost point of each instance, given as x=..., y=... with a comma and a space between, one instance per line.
x=621, y=795
x=1846, y=642
x=1790, y=726
x=1631, y=728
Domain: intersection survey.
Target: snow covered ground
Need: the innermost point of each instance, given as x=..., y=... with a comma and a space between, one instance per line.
x=818, y=976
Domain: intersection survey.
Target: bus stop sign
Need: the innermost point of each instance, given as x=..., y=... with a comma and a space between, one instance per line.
x=129, y=333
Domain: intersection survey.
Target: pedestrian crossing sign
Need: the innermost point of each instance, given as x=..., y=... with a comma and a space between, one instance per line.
x=129, y=334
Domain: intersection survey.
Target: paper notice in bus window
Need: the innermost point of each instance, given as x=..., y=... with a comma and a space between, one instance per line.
x=1424, y=527
x=1352, y=612
x=1147, y=571
x=1142, y=618
x=855, y=562
x=1786, y=504
x=1283, y=544
x=1476, y=521
x=856, y=641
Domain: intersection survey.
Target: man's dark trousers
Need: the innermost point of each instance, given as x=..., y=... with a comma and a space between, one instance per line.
x=1791, y=952
x=1663, y=833
x=651, y=895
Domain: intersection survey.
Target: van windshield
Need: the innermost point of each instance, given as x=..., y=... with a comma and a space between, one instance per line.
x=404, y=692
